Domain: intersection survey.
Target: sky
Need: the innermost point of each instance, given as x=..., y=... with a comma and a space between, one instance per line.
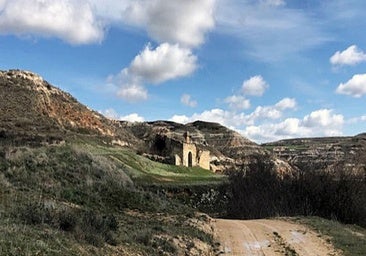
x=269, y=69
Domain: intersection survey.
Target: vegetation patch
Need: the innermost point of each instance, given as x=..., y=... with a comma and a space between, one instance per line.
x=72, y=199
x=259, y=192
x=350, y=239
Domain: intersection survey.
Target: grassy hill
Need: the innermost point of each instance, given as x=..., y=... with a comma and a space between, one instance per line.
x=87, y=199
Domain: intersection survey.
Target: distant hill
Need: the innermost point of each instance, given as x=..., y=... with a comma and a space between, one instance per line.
x=229, y=150
x=331, y=154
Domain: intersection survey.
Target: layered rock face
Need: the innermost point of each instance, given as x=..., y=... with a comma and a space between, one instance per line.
x=31, y=107
x=333, y=154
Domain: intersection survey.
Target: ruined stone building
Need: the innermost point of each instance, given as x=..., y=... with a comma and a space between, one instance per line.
x=191, y=156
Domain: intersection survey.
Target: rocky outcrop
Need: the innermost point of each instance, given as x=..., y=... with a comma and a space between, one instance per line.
x=332, y=154
x=30, y=107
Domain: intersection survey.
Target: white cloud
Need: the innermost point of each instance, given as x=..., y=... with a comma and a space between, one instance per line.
x=235, y=120
x=132, y=92
x=355, y=120
x=180, y=21
x=237, y=102
x=254, y=86
x=271, y=112
x=351, y=56
x=355, y=87
x=79, y=22
x=158, y=65
x=273, y=2
x=227, y=118
x=187, y=100
x=266, y=112
x=2, y=4
x=112, y=114
x=323, y=118
x=72, y=21
x=182, y=119
x=257, y=127
x=286, y=103
x=321, y=122
x=132, y=118
x=163, y=63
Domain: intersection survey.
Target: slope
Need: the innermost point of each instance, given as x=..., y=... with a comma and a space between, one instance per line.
x=32, y=108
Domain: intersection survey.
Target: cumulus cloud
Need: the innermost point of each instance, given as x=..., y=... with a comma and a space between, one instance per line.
x=72, y=21
x=351, y=56
x=163, y=63
x=153, y=66
x=237, y=102
x=322, y=122
x=180, y=21
x=323, y=118
x=355, y=87
x=187, y=100
x=266, y=123
x=271, y=112
x=235, y=120
x=79, y=22
x=255, y=86
x=224, y=117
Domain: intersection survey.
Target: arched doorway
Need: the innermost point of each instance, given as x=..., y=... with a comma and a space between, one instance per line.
x=190, y=159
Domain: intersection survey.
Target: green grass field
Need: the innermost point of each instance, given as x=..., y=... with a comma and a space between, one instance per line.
x=144, y=171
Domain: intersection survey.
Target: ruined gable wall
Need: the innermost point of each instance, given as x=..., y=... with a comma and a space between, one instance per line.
x=186, y=149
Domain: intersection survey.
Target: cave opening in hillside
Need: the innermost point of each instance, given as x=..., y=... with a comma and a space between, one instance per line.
x=160, y=144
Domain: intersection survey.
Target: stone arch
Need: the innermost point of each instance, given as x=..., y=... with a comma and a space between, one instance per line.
x=190, y=159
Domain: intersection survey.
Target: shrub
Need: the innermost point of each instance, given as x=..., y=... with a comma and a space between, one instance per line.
x=87, y=225
x=259, y=192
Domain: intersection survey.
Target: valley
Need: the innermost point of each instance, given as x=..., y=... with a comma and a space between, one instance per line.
x=73, y=182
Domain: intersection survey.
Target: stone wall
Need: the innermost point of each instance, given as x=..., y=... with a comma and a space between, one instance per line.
x=189, y=152
x=204, y=159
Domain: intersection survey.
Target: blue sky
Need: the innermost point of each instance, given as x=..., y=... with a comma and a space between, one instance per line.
x=270, y=69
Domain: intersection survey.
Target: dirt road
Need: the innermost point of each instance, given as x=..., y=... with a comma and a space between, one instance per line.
x=269, y=238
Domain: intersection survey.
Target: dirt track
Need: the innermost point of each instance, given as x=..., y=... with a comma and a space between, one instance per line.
x=269, y=238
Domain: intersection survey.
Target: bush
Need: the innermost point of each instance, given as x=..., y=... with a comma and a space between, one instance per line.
x=89, y=226
x=259, y=192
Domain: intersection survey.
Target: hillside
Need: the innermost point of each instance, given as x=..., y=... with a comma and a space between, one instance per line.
x=67, y=187
x=331, y=154
x=229, y=151
x=33, y=110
